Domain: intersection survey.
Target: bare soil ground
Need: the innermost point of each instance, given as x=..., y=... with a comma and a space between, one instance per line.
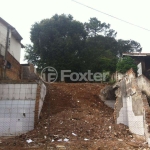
x=74, y=118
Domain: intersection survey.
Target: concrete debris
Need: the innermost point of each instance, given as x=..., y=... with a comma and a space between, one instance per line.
x=74, y=134
x=86, y=139
x=66, y=140
x=29, y=141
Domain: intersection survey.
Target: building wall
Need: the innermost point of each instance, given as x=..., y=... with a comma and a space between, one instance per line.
x=17, y=107
x=15, y=48
x=3, y=34
x=14, y=73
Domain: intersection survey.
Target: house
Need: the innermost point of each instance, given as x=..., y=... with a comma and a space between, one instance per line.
x=10, y=40
x=143, y=62
x=10, y=50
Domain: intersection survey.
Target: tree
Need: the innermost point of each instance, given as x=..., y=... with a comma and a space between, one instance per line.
x=128, y=46
x=57, y=42
x=95, y=27
x=126, y=63
x=100, y=54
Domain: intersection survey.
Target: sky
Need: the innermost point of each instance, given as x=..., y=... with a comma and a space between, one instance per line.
x=22, y=14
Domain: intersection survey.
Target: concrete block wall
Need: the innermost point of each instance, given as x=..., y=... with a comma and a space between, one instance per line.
x=129, y=104
x=40, y=95
x=132, y=106
x=127, y=117
x=17, y=107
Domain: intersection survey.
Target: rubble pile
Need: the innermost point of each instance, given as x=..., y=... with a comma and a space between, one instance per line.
x=74, y=117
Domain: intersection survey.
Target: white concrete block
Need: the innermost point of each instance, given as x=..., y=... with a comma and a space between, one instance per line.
x=31, y=110
x=11, y=91
x=15, y=102
x=28, y=91
x=22, y=96
x=7, y=116
x=31, y=124
x=1, y=91
x=14, y=111
x=17, y=86
x=14, y=115
x=17, y=90
x=27, y=102
x=11, y=86
x=22, y=90
x=1, y=115
x=2, y=102
x=8, y=102
x=16, y=96
x=32, y=102
x=30, y=86
x=32, y=115
x=34, y=86
x=34, y=91
x=27, y=106
x=33, y=96
x=28, y=96
x=5, y=86
x=129, y=108
x=120, y=120
x=5, y=96
x=26, y=110
x=24, y=86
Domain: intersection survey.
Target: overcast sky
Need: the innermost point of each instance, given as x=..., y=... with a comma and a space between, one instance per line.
x=23, y=13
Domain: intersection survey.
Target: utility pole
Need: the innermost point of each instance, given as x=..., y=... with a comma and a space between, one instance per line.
x=5, y=56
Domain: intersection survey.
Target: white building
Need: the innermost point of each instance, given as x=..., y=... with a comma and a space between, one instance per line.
x=14, y=40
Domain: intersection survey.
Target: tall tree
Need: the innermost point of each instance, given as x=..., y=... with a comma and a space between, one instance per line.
x=94, y=27
x=57, y=42
x=128, y=46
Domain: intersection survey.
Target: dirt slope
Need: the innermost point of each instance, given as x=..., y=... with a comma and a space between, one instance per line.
x=74, y=118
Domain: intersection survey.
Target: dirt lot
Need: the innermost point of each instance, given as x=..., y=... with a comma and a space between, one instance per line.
x=74, y=118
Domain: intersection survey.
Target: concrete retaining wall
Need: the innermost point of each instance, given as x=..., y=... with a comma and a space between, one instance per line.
x=17, y=107
x=132, y=108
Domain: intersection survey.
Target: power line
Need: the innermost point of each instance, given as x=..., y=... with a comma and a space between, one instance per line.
x=111, y=15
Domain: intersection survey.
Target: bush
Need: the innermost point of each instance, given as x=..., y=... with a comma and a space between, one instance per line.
x=125, y=64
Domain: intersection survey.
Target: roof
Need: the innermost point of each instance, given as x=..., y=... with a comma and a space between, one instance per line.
x=136, y=54
x=14, y=31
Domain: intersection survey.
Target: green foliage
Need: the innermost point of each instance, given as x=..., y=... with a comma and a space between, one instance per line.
x=64, y=43
x=125, y=64
x=128, y=46
x=94, y=27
